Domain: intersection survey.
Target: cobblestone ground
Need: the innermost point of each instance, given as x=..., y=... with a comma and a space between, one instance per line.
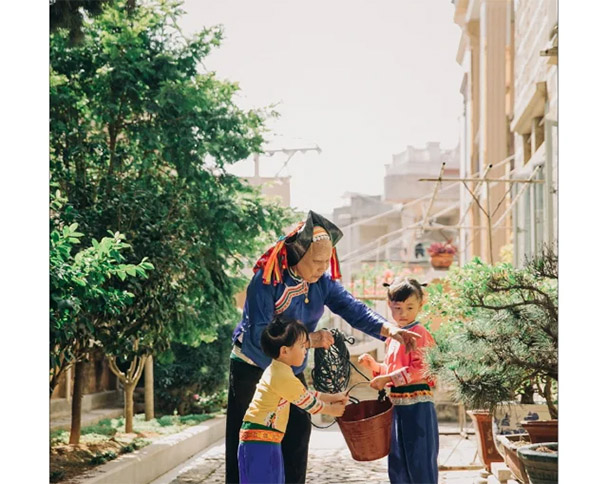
x=330, y=462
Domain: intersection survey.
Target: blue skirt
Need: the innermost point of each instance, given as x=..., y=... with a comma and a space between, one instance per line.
x=414, y=444
x=260, y=463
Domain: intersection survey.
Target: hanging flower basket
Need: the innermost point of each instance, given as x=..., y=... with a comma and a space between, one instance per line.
x=442, y=261
x=442, y=254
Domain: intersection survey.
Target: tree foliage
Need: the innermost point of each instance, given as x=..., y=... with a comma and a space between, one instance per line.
x=500, y=332
x=140, y=140
x=84, y=290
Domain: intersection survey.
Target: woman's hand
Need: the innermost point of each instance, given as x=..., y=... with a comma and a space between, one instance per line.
x=379, y=382
x=403, y=336
x=321, y=339
x=367, y=361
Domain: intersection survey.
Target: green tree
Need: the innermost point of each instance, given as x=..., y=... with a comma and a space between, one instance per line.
x=140, y=141
x=500, y=333
x=84, y=291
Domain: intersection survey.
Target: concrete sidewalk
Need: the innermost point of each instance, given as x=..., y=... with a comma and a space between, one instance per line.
x=330, y=462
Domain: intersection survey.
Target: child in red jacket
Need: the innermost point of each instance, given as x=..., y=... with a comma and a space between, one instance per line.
x=414, y=431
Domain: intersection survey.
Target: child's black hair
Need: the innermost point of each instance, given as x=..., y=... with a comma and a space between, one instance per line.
x=281, y=331
x=400, y=289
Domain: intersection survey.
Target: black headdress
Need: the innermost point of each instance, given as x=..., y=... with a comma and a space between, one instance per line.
x=290, y=249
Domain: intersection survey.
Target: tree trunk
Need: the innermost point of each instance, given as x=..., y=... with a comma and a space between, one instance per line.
x=549, y=398
x=77, y=402
x=129, y=389
x=149, y=387
x=528, y=394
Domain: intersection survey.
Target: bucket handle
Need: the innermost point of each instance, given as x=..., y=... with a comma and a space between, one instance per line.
x=381, y=393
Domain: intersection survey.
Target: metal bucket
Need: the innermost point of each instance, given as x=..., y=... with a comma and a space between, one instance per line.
x=366, y=427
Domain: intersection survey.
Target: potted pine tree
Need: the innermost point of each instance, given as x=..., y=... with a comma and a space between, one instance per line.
x=499, y=337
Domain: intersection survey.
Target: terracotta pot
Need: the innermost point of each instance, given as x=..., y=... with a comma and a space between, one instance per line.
x=442, y=261
x=482, y=420
x=508, y=449
x=541, y=430
x=541, y=467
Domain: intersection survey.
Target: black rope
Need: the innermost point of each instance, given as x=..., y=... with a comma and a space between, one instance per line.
x=331, y=372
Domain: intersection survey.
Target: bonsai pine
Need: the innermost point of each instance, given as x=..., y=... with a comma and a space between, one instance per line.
x=500, y=333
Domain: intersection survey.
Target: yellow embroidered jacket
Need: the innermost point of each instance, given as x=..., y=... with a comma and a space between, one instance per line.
x=277, y=388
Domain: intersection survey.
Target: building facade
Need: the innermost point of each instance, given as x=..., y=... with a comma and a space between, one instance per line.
x=534, y=125
x=508, y=49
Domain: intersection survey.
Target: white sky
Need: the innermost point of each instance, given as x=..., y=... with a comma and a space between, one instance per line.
x=361, y=79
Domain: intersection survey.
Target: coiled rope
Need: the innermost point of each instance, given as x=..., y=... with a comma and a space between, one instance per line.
x=331, y=372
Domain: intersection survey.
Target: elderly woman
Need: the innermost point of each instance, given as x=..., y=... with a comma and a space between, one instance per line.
x=291, y=279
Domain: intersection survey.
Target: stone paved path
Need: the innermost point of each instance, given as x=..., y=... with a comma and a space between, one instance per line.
x=330, y=462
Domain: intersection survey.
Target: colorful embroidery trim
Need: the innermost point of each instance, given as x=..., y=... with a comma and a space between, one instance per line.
x=290, y=292
x=411, y=398
x=309, y=403
x=258, y=435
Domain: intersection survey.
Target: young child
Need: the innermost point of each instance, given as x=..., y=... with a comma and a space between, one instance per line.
x=414, y=431
x=259, y=452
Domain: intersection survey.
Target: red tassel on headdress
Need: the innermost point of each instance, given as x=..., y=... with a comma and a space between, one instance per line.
x=335, y=265
x=274, y=260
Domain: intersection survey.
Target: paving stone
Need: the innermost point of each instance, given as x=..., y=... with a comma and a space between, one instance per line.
x=330, y=462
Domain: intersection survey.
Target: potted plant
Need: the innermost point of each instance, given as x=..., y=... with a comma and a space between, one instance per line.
x=498, y=341
x=442, y=254
x=540, y=461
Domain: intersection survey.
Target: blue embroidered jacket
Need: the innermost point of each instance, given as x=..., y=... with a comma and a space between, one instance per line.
x=264, y=300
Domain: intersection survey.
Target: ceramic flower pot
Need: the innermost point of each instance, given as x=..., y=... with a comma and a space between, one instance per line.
x=482, y=420
x=507, y=446
x=541, y=430
x=541, y=467
x=442, y=261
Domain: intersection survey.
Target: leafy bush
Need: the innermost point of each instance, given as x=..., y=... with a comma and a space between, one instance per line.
x=59, y=437
x=194, y=419
x=193, y=370
x=166, y=420
x=212, y=403
x=56, y=475
x=103, y=457
x=107, y=430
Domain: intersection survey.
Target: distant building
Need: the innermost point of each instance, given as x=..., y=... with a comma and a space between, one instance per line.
x=359, y=233
x=402, y=185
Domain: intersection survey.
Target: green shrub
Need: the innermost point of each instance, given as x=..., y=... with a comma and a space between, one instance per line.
x=59, y=437
x=101, y=458
x=167, y=420
x=98, y=429
x=199, y=370
x=194, y=419
x=56, y=475
x=126, y=449
x=214, y=402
